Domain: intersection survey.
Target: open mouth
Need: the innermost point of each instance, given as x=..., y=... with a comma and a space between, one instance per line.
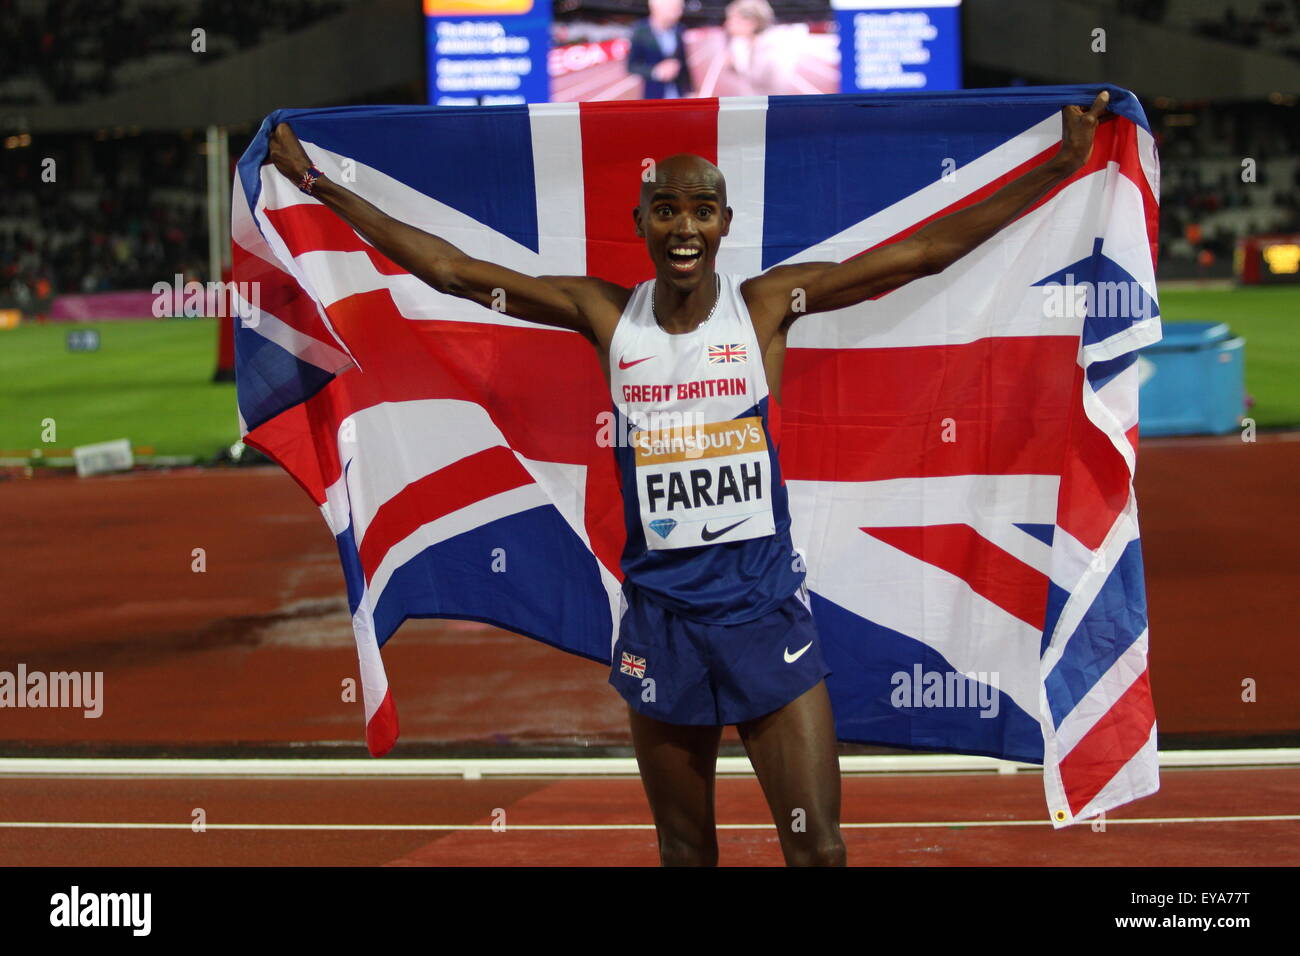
x=684, y=258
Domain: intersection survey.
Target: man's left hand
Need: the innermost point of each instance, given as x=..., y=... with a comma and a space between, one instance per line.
x=1078, y=127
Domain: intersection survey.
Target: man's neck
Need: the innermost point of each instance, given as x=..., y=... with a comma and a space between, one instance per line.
x=678, y=312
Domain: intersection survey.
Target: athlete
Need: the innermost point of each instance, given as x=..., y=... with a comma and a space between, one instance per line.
x=716, y=627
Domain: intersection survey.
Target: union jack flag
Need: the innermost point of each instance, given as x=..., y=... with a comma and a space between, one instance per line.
x=959, y=457
x=631, y=664
x=726, y=354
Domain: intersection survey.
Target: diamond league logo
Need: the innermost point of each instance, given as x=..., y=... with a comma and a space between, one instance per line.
x=663, y=526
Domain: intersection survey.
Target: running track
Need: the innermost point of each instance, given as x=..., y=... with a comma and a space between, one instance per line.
x=252, y=652
x=1201, y=817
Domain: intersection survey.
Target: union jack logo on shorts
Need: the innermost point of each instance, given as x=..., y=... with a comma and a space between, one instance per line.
x=727, y=354
x=631, y=664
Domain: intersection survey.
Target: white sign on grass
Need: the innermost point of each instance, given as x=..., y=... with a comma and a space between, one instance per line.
x=103, y=457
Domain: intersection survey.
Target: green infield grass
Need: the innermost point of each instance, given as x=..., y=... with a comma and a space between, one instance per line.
x=1268, y=318
x=150, y=382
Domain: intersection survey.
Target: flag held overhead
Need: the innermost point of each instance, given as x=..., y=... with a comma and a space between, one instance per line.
x=958, y=453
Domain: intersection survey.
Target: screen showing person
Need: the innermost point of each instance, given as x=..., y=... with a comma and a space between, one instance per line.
x=747, y=48
x=752, y=54
x=658, y=52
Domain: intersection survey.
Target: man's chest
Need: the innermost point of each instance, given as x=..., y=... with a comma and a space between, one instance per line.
x=700, y=360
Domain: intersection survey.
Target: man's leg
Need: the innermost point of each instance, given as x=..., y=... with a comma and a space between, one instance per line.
x=678, y=764
x=793, y=753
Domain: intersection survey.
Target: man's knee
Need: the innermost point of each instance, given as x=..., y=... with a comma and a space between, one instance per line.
x=680, y=850
x=819, y=845
x=826, y=851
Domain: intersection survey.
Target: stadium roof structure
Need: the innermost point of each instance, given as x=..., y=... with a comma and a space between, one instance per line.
x=371, y=47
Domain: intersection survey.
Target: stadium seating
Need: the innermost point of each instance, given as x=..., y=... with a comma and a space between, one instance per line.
x=74, y=49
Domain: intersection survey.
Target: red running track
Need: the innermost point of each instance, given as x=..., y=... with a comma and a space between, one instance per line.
x=972, y=822
x=254, y=650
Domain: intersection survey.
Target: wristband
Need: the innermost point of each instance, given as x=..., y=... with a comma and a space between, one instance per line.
x=308, y=181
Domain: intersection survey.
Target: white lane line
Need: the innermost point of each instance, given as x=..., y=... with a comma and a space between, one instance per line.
x=561, y=827
x=473, y=769
x=470, y=768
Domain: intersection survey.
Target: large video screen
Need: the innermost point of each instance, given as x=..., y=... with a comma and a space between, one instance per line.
x=482, y=52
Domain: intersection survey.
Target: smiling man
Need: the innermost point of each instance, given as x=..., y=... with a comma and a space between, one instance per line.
x=716, y=626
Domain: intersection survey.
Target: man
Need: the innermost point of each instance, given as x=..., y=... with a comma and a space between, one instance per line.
x=658, y=52
x=716, y=627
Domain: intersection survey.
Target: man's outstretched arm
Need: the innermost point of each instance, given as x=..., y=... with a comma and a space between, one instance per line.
x=774, y=296
x=547, y=301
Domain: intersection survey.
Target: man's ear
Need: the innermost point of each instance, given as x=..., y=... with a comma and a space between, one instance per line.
x=636, y=218
x=726, y=222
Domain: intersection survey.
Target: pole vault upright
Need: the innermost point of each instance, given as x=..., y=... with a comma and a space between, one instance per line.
x=218, y=168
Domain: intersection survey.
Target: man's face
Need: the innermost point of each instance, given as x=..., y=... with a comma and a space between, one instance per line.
x=665, y=12
x=682, y=217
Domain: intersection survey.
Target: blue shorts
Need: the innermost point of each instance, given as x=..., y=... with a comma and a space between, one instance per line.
x=682, y=671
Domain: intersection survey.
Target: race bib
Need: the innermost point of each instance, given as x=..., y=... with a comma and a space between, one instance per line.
x=704, y=484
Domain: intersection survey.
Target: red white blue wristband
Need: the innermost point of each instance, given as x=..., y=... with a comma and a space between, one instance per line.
x=309, y=178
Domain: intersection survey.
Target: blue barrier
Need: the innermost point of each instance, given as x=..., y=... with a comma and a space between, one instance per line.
x=1192, y=381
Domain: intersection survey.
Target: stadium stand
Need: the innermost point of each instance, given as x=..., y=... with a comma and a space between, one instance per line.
x=1208, y=198
x=131, y=211
x=1272, y=26
x=135, y=209
x=130, y=207
x=73, y=49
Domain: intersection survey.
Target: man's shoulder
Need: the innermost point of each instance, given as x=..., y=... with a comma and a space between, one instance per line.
x=783, y=273
x=593, y=295
x=756, y=281
x=768, y=294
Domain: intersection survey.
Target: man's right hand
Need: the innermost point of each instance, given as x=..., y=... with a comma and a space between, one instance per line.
x=287, y=153
x=665, y=71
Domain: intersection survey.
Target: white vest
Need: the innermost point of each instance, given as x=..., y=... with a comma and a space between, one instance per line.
x=703, y=456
